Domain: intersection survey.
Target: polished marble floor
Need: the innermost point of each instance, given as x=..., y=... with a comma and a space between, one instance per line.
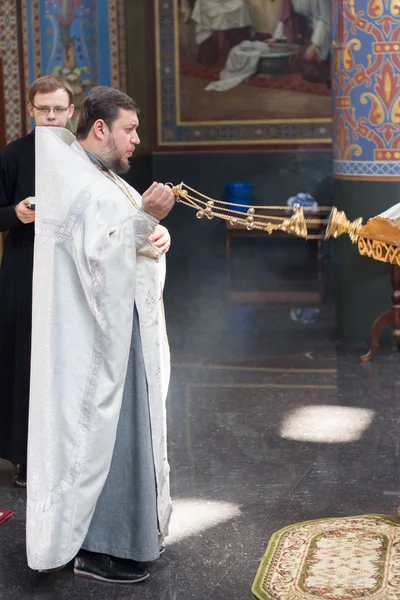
x=270, y=423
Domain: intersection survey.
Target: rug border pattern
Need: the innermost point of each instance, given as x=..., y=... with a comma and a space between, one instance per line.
x=270, y=556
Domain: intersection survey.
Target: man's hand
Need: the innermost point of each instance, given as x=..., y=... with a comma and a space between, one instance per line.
x=25, y=214
x=158, y=200
x=311, y=52
x=161, y=238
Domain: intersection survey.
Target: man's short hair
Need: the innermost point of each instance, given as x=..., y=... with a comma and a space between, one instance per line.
x=104, y=103
x=48, y=84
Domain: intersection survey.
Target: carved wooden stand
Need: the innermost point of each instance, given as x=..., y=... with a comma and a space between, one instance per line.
x=390, y=318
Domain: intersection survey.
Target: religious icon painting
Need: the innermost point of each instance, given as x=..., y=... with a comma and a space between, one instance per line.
x=243, y=73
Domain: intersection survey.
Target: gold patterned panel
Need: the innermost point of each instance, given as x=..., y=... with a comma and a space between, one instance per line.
x=379, y=251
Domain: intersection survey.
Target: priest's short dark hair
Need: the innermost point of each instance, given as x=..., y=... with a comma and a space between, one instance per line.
x=104, y=103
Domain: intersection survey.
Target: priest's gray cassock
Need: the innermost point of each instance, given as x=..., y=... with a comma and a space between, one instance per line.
x=93, y=262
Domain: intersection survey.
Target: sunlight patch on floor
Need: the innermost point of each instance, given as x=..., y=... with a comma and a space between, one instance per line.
x=326, y=424
x=192, y=516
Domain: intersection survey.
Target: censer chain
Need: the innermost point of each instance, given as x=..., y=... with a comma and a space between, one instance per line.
x=336, y=224
x=201, y=205
x=261, y=206
x=268, y=227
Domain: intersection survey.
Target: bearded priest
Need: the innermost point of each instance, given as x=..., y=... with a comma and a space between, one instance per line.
x=98, y=475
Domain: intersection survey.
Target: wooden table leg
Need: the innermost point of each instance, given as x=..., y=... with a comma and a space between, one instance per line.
x=395, y=278
x=390, y=318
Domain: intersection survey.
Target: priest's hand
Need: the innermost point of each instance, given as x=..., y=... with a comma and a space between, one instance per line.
x=161, y=238
x=24, y=213
x=158, y=200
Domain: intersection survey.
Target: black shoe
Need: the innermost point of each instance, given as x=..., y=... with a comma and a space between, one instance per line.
x=109, y=568
x=20, y=477
x=162, y=550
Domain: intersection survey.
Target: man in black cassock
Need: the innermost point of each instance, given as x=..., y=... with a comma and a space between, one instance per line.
x=51, y=104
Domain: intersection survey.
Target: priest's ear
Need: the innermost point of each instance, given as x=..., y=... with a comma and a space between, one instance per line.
x=100, y=130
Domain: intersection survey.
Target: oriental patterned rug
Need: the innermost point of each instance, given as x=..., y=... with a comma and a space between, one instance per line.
x=350, y=558
x=4, y=515
x=293, y=82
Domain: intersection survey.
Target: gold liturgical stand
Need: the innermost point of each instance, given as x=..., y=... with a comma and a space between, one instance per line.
x=378, y=239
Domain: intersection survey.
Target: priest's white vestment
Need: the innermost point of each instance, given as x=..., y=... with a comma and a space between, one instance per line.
x=93, y=262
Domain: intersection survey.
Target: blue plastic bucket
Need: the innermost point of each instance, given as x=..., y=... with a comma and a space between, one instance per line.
x=239, y=193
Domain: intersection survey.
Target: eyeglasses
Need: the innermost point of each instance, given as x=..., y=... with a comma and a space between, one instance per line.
x=46, y=110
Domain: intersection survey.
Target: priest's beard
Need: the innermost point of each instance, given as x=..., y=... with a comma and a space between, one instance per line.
x=112, y=160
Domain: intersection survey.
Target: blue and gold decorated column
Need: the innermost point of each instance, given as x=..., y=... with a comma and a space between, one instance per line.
x=366, y=126
x=366, y=90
